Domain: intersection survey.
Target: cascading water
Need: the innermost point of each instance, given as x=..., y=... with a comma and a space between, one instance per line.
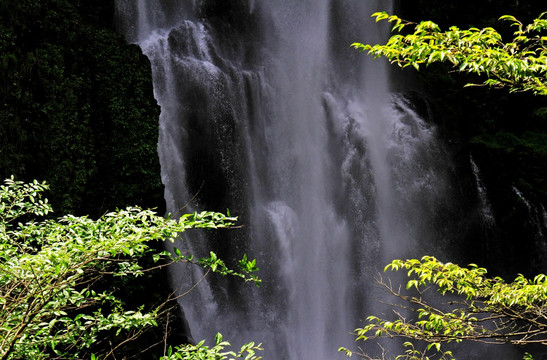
x=485, y=208
x=538, y=221
x=267, y=111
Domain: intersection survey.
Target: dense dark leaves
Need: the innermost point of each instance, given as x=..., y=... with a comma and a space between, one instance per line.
x=76, y=106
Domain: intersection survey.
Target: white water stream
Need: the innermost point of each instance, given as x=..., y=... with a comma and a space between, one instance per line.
x=266, y=107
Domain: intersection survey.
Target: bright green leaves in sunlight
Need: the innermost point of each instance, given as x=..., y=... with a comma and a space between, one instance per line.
x=53, y=298
x=217, y=352
x=471, y=307
x=519, y=64
x=246, y=267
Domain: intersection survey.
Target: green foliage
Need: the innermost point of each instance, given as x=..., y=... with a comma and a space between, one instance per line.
x=217, y=352
x=520, y=64
x=479, y=309
x=50, y=304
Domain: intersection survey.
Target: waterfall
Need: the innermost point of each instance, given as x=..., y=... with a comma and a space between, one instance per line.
x=267, y=111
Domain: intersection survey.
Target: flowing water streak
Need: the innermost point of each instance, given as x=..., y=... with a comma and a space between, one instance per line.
x=537, y=218
x=333, y=175
x=485, y=207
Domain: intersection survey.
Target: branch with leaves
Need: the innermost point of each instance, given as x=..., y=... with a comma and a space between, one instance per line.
x=49, y=305
x=519, y=64
x=479, y=309
x=216, y=352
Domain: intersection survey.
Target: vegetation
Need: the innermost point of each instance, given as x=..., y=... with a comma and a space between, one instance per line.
x=477, y=309
x=217, y=352
x=54, y=301
x=520, y=64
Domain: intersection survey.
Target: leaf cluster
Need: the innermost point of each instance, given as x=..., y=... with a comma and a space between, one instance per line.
x=217, y=352
x=479, y=308
x=519, y=64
